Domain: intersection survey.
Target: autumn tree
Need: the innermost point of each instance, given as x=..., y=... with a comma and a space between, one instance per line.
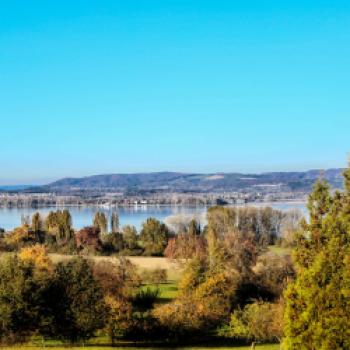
x=115, y=222
x=88, y=239
x=154, y=237
x=130, y=237
x=37, y=255
x=290, y=227
x=113, y=242
x=186, y=244
x=59, y=224
x=120, y=317
x=21, y=297
x=100, y=222
x=194, y=228
x=21, y=237
x=273, y=273
x=37, y=224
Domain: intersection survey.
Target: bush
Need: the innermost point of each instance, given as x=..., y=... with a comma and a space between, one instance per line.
x=259, y=321
x=145, y=299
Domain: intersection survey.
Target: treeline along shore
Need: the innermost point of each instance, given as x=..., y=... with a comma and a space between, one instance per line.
x=237, y=279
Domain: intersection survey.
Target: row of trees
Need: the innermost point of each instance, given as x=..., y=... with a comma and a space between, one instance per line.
x=56, y=232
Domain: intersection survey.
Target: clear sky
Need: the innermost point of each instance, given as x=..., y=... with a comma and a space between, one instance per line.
x=91, y=87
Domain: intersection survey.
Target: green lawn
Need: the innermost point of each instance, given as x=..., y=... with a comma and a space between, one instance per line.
x=168, y=291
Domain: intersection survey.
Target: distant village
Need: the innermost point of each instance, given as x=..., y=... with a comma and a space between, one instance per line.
x=37, y=200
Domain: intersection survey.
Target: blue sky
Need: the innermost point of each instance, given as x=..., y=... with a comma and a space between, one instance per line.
x=90, y=87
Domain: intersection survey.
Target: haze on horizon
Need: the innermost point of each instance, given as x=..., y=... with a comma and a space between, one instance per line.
x=100, y=87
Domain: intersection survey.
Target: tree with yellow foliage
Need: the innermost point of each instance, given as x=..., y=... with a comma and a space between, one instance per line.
x=37, y=255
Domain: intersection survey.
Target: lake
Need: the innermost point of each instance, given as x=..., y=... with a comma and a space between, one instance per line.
x=135, y=215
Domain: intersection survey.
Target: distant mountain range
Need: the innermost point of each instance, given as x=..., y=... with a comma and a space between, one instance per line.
x=192, y=182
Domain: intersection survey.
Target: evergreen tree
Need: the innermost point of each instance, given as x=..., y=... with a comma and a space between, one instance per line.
x=318, y=301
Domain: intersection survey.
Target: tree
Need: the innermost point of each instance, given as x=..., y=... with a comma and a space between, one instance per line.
x=130, y=237
x=75, y=303
x=185, y=246
x=113, y=242
x=119, y=317
x=36, y=223
x=88, y=239
x=119, y=282
x=118, y=279
x=194, y=228
x=318, y=301
x=21, y=295
x=115, y=222
x=273, y=273
x=264, y=224
x=290, y=227
x=37, y=255
x=59, y=224
x=100, y=222
x=202, y=305
x=154, y=237
x=21, y=237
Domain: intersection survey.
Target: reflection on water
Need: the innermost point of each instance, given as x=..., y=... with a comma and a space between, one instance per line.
x=134, y=215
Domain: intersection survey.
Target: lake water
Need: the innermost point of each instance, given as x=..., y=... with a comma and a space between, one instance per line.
x=135, y=215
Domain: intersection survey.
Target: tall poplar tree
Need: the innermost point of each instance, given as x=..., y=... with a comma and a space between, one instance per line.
x=100, y=222
x=115, y=222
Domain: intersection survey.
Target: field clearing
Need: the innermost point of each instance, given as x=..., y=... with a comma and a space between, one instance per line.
x=141, y=262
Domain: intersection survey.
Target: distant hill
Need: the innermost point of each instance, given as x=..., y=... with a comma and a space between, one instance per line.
x=192, y=182
x=10, y=188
